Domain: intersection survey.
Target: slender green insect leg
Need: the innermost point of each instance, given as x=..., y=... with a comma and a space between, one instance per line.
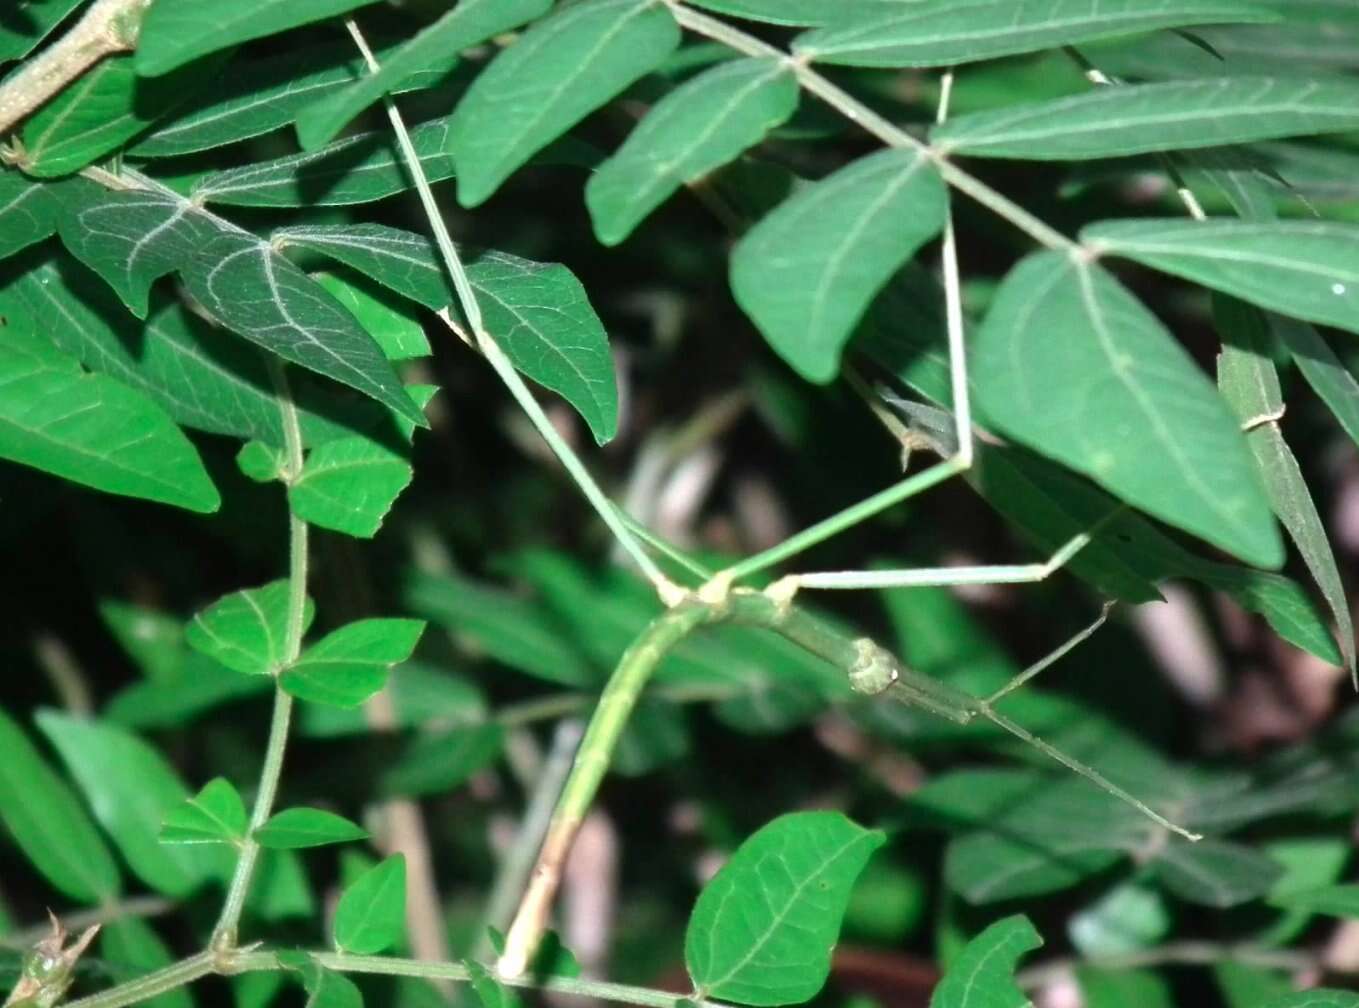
x=1056, y=655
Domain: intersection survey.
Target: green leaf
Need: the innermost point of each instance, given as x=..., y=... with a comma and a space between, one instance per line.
x=131, y=949
x=793, y=12
x=538, y=312
x=258, y=96
x=1123, y=988
x=246, y=630
x=28, y=211
x=1250, y=384
x=52, y=829
x=31, y=20
x=1329, y=378
x=700, y=126
x=357, y=169
x=1129, y=917
x=396, y=330
x=929, y=35
x=1334, y=901
x=983, y=974
x=490, y=992
x=93, y=430
x=437, y=763
x=325, y=988
x=202, y=686
x=466, y=25
x=215, y=815
x=562, y=69
x=306, y=827
x=152, y=639
x=421, y=695
x=371, y=916
x=1072, y=365
x=1214, y=872
x=1136, y=119
x=1299, y=268
x=101, y=111
x=763, y=928
x=807, y=272
x=174, y=33
x=262, y=463
x=281, y=890
x=349, y=665
x=1319, y=998
x=349, y=485
x=131, y=789
x=254, y=291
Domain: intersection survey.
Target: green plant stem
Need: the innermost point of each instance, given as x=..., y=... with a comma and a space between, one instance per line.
x=471, y=311
x=143, y=988
x=856, y=111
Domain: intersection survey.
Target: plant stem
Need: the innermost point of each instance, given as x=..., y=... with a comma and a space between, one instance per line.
x=175, y=975
x=109, y=26
x=471, y=311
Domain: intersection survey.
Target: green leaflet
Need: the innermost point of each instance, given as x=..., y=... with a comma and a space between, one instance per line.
x=763, y=928
x=982, y=976
x=701, y=125
x=131, y=789
x=263, y=95
x=254, y=291
x=245, y=630
x=350, y=484
x=925, y=35
x=1250, y=384
x=422, y=694
x=93, y=430
x=215, y=815
x=29, y=24
x=391, y=323
x=371, y=916
x=1123, y=988
x=306, y=827
x=349, y=665
x=357, y=169
x=538, y=312
x=465, y=25
x=1136, y=119
x=48, y=823
x=1214, y=872
x=101, y=111
x=796, y=12
x=808, y=271
x=1072, y=365
x=1332, y=900
x=28, y=212
x=1300, y=268
x=154, y=640
x=563, y=68
x=203, y=686
x=174, y=33
x=131, y=949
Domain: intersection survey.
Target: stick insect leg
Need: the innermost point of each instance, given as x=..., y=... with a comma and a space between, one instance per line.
x=1051, y=657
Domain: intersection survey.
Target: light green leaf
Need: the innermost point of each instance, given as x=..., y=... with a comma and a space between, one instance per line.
x=281, y=890
x=152, y=639
x=349, y=485
x=1129, y=917
x=807, y=272
x=1123, y=988
x=1215, y=872
x=562, y=69
x=438, y=763
x=174, y=33
x=1334, y=901
x=202, y=686
x=795, y=12
x=306, y=827
x=490, y=992
x=983, y=974
x=1329, y=378
x=102, y=110
x=262, y=95
x=49, y=824
x=1300, y=268
x=131, y=789
x=93, y=430
x=1319, y=998
x=1136, y=119
x=131, y=949
x=325, y=988
x=764, y=926
x=350, y=664
x=700, y=126
x=1250, y=384
x=28, y=211
x=357, y=169
x=29, y=24
x=470, y=22
x=538, y=312
x=215, y=815
x=245, y=630
x=1072, y=365
x=929, y=35
x=421, y=694
x=396, y=330
x=254, y=291
x=371, y=916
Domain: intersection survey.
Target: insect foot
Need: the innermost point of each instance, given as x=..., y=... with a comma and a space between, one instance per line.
x=874, y=669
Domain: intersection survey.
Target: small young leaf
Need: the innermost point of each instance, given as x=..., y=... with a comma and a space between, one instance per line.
x=131, y=949
x=262, y=463
x=807, y=272
x=1214, y=872
x=1137, y=119
x=1300, y=268
x=371, y=916
x=763, y=928
x=470, y=22
x=28, y=211
x=982, y=976
x=698, y=127
x=562, y=69
x=93, y=430
x=49, y=824
x=490, y=992
x=215, y=815
x=349, y=665
x=1071, y=364
x=245, y=630
x=306, y=827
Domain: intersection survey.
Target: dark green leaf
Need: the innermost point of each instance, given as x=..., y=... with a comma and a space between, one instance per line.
x=215, y=815
x=349, y=665
x=131, y=949
x=421, y=695
x=28, y=211
x=152, y=639
x=563, y=68
x=245, y=630
x=438, y=763
x=1215, y=872
x=29, y=24
x=1120, y=988
x=794, y=12
x=306, y=827
x=983, y=974
x=371, y=916
x=392, y=323
x=1323, y=370
x=202, y=686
